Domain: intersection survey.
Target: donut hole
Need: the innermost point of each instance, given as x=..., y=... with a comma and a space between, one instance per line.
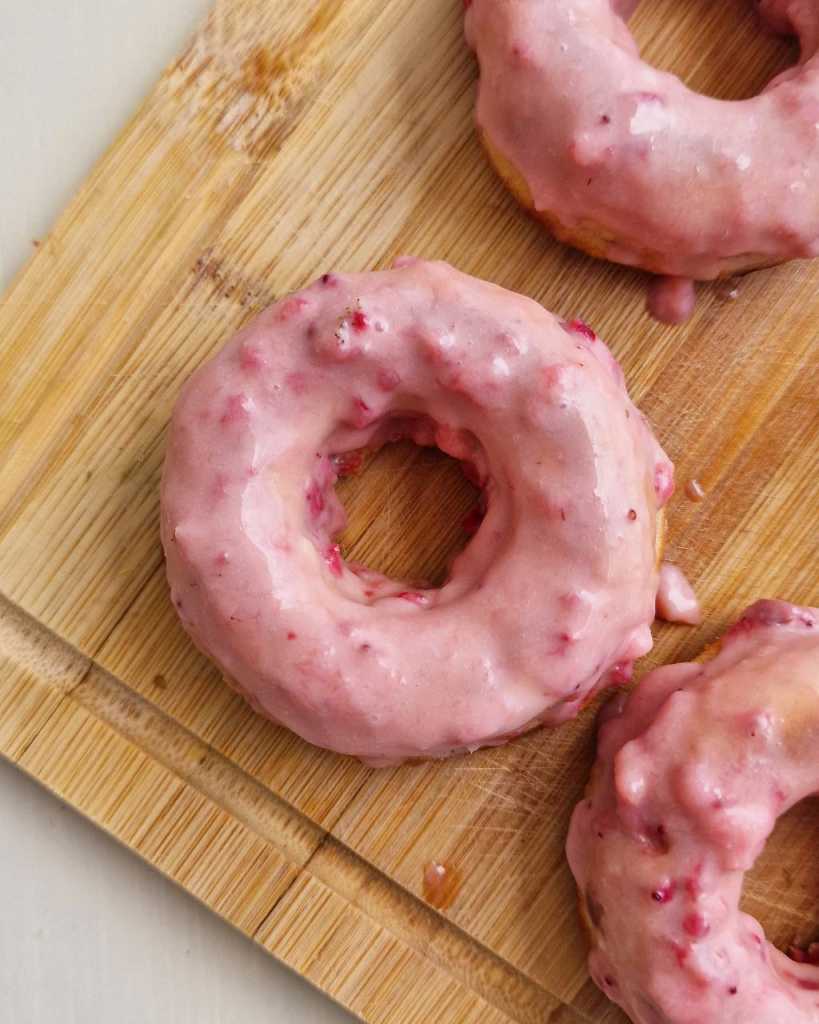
x=782, y=889
x=734, y=55
x=410, y=510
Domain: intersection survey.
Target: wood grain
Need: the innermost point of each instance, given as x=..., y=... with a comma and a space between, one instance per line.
x=289, y=139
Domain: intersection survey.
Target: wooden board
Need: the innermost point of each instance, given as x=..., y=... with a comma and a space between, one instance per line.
x=287, y=140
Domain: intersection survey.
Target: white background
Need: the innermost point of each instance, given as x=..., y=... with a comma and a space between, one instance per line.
x=88, y=933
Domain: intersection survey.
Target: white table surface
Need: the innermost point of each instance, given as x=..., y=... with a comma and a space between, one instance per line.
x=88, y=933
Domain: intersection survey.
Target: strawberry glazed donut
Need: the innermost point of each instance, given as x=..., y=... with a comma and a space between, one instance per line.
x=552, y=598
x=693, y=770
x=627, y=163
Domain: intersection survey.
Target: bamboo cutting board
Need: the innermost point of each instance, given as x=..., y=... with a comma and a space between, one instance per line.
x=289, y=139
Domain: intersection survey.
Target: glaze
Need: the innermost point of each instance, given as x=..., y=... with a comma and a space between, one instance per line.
x=671, y=300
x=552, y=598
x=440, y=884
x=692, y=771
x=694, y=490
x=626, y=162
x=676, y=600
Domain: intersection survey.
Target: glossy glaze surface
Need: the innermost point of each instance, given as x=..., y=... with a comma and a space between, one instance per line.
x=627, y=158
x=692, y=772
x=552, y=597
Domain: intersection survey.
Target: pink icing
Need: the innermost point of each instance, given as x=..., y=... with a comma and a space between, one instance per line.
x=671, y=299
x=679, y=182
x=693, y=770
x=676, y=600
x=555, y=588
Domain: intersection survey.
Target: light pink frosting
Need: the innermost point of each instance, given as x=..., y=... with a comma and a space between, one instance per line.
x=602, y=138
x=676, y=600
x=671, y=300
x=692, y=772
x=553, y=597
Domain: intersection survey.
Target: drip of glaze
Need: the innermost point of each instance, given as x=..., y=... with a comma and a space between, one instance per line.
x=694, y=490
x=671, y=299
x=810, y=955
x=441, y=883
x=676, y=600
x=727, y=289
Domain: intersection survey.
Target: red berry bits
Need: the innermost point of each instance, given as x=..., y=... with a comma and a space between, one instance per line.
x=296, y=382
x=332, y=556
x=237, y=410
x=359, y=320
x=362, y=413
x=250, y=359
x=696, y=926
x=315, y=499
x=580, y=327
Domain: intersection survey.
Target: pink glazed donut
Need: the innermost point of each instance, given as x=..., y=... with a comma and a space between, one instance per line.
x=627, y=163
x=552, y=598
x=692, y=772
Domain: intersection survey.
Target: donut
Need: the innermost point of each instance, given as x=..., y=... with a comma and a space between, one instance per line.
x=692, y=771
x=552, y=598
x=626, y=163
